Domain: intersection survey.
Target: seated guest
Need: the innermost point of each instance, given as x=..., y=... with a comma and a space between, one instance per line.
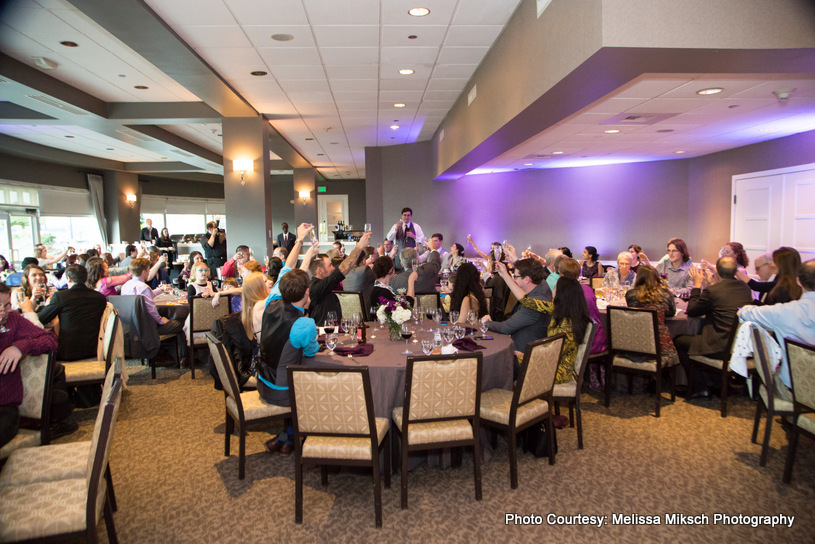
x=467, y=294
x=361, y=277
x=675, y=266
x=719, y=304
x=231, y=268
x=287, y=336
x=325, y=278
x=622, y=275
x=200, y=285
x=384, y=271
x=778, y=276
x=427, y=273
x=45, y=260
x=33, y=286
x=640, y=258
x=273, y=269
x=454, y=258
x=5, y=266
x=20, y=337
x=131, y=252
x=230, y=287
x=280, y=253
x=736, y=251
x=434, y=245
x=99, y=280
x=649, y=292
x=158, y=273
x=139, y=270
x=79, y=310
x=795, y=319
x=569, y=315
x=569, y=268
x=552, y=261
x=525, y=324
x=247, y=268
x=591, y=268
x=291, y=261
x=566, y=251
x=339, y=248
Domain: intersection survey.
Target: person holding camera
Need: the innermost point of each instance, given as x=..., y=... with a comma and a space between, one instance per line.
x=214, y=244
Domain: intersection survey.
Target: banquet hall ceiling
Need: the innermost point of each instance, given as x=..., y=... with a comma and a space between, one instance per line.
x=147, y=83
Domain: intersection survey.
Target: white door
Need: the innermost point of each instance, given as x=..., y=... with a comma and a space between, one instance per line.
x=331, y=209
x=773, y=209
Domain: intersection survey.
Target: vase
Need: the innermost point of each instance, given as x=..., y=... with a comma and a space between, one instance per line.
x=395, y=331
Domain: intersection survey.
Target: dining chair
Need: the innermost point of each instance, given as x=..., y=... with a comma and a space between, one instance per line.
x=529, y=403
x=334, y=424
x=202, y=316
x=722, y=366
x=596, y=282
x=352, y=303
x=240, y=407
x=60, y=461
x=65, y=509
x=79, y=373
x=428, y=300
x=634, y=331
x=37, y=373
x=801, y=358
x=570, y=391
x=140, y=331
x=774, y=405
x=441, y=409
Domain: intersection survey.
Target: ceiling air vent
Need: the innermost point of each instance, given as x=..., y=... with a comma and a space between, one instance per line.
x=134, y=134
x=182, y=153
x=57, y=104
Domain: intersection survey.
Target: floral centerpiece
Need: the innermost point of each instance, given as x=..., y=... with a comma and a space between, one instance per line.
x=394, y=313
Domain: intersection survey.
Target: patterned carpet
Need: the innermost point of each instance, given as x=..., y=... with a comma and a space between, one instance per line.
x=173, y=483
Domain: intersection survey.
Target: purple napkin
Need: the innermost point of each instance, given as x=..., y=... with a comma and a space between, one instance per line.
x=360, y=350
x=466, y=344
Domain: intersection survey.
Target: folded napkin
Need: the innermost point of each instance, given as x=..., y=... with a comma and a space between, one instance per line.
x=467, y=344
x=360, y=350
x=449, y=350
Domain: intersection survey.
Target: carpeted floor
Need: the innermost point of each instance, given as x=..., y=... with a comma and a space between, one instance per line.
x=173, y=483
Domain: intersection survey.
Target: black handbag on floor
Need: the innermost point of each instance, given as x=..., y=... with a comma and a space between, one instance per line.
x=535, y=440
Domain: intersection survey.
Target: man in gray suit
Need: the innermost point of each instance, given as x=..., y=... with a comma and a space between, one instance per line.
x=428, y=272
x=525, y=325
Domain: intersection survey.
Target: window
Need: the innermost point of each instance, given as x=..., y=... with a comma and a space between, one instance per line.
x=185, y=223
x=156, y=218
x=58, y=232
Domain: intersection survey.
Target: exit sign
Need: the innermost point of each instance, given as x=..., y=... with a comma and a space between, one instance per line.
x=321, y=189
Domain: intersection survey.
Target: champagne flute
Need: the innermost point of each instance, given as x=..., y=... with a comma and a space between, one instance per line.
x=406, y=334
x=374, y=317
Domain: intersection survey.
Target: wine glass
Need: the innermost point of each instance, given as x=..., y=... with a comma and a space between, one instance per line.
x=429, y=313
x=482, y=326
x=331, y=341
x=331, y=319
x=447, y=335
x=329, y=327
x=437, y=316
x=406, y=334
x=427, y=347
x=454, y=316
x=374, y=317
x=459, y=332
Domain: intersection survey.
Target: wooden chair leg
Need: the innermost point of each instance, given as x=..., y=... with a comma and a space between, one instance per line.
x=404, y=452
x=228, y=430
x=571, y=414
x=791, y=453
x=725, y=390
x=690, y=380
x=377, y=488
x=765, y=444
x=756, y=421
x=111, y=493
x=387, y=462
x=111, y=528
x=673, y=383
x=241, y=450
x=324, y=475
x=609, y=368
x=153, y=367
x=192, y=357
x=579, y=410
x=658, y=390
x=477, y=464
x=298, y=485
x=550, y=433
x=513, y=461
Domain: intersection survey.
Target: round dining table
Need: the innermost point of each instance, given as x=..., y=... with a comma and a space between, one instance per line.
x=386, y=364
x=172, y=307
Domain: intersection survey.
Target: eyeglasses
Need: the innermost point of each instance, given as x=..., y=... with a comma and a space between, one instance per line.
x=516, y=276
x=673, y=251
x=758, y=266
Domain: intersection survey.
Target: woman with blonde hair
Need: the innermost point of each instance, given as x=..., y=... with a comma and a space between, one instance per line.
x=253, y=291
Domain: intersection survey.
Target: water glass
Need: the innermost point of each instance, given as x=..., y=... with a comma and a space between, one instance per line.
x=331, y=341
x=454, y=316
x=427, y=347
x=482, y=326
x=437, y=316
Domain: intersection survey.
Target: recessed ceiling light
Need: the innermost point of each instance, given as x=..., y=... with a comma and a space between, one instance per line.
x=769, y=129
x=258, y=73
x=711, y=90
x=733, y=106
x=282, y=37
x=398, y=105
x=412, y=37
x=679, y=152
x=309, y=139
x=405, y=71
x=321, y=154
x=612, y=131
x=69, y=44
x=419, y=12
x=557, y=152
x=394, y=127
x=665, y=130
x=141, y=87
x=109, y=149
x=528, y=164
x=164, y=158
x=68, y=136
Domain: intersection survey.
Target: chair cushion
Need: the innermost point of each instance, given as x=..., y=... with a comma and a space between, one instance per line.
x=435, y=431
x=251, y=383
x=715, y=363
x=647, y=366
x=565, y=390
x=807, y=422
x=254, y=407
x=46, y=464
x=495, y=405
x=80, y=371
x=779, y=405
x=45, y=508
x=334, y=447
x=25, y=438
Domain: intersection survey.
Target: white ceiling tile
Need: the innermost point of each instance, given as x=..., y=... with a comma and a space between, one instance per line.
x=356, y=71
x=453, y=71
x=442, y=94
x=293, y=56
x=409, y=55
x=262, y=12
x=299, y=85
x=668, y=105
x=403, y=84
x=192, y=12
x=341, y=55
x=260, y=36
x=729, y=86
x=478, y=12
x=354, y=85
x=213, y=36
x=391, y=71
x=348, y=12
x=347, y=36
x=293, y=73
x=355, y=96
x=395, y=12
x=309, y=96
x=404, y=96
x=437, y=84
x=226, y=59
x=426, y=36
x=462, y=55
x=468, y=36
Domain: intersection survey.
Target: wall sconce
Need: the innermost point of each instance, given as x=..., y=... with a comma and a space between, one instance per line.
x=130, y=198
x=305, y=195
x=243, y=166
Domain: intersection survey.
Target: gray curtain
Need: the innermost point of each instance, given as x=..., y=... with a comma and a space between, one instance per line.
x=96, y=188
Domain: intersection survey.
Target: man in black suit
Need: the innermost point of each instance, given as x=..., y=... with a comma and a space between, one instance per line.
x=80, y=310
x=719, y=304
x=286, y=239
x=148, y=233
